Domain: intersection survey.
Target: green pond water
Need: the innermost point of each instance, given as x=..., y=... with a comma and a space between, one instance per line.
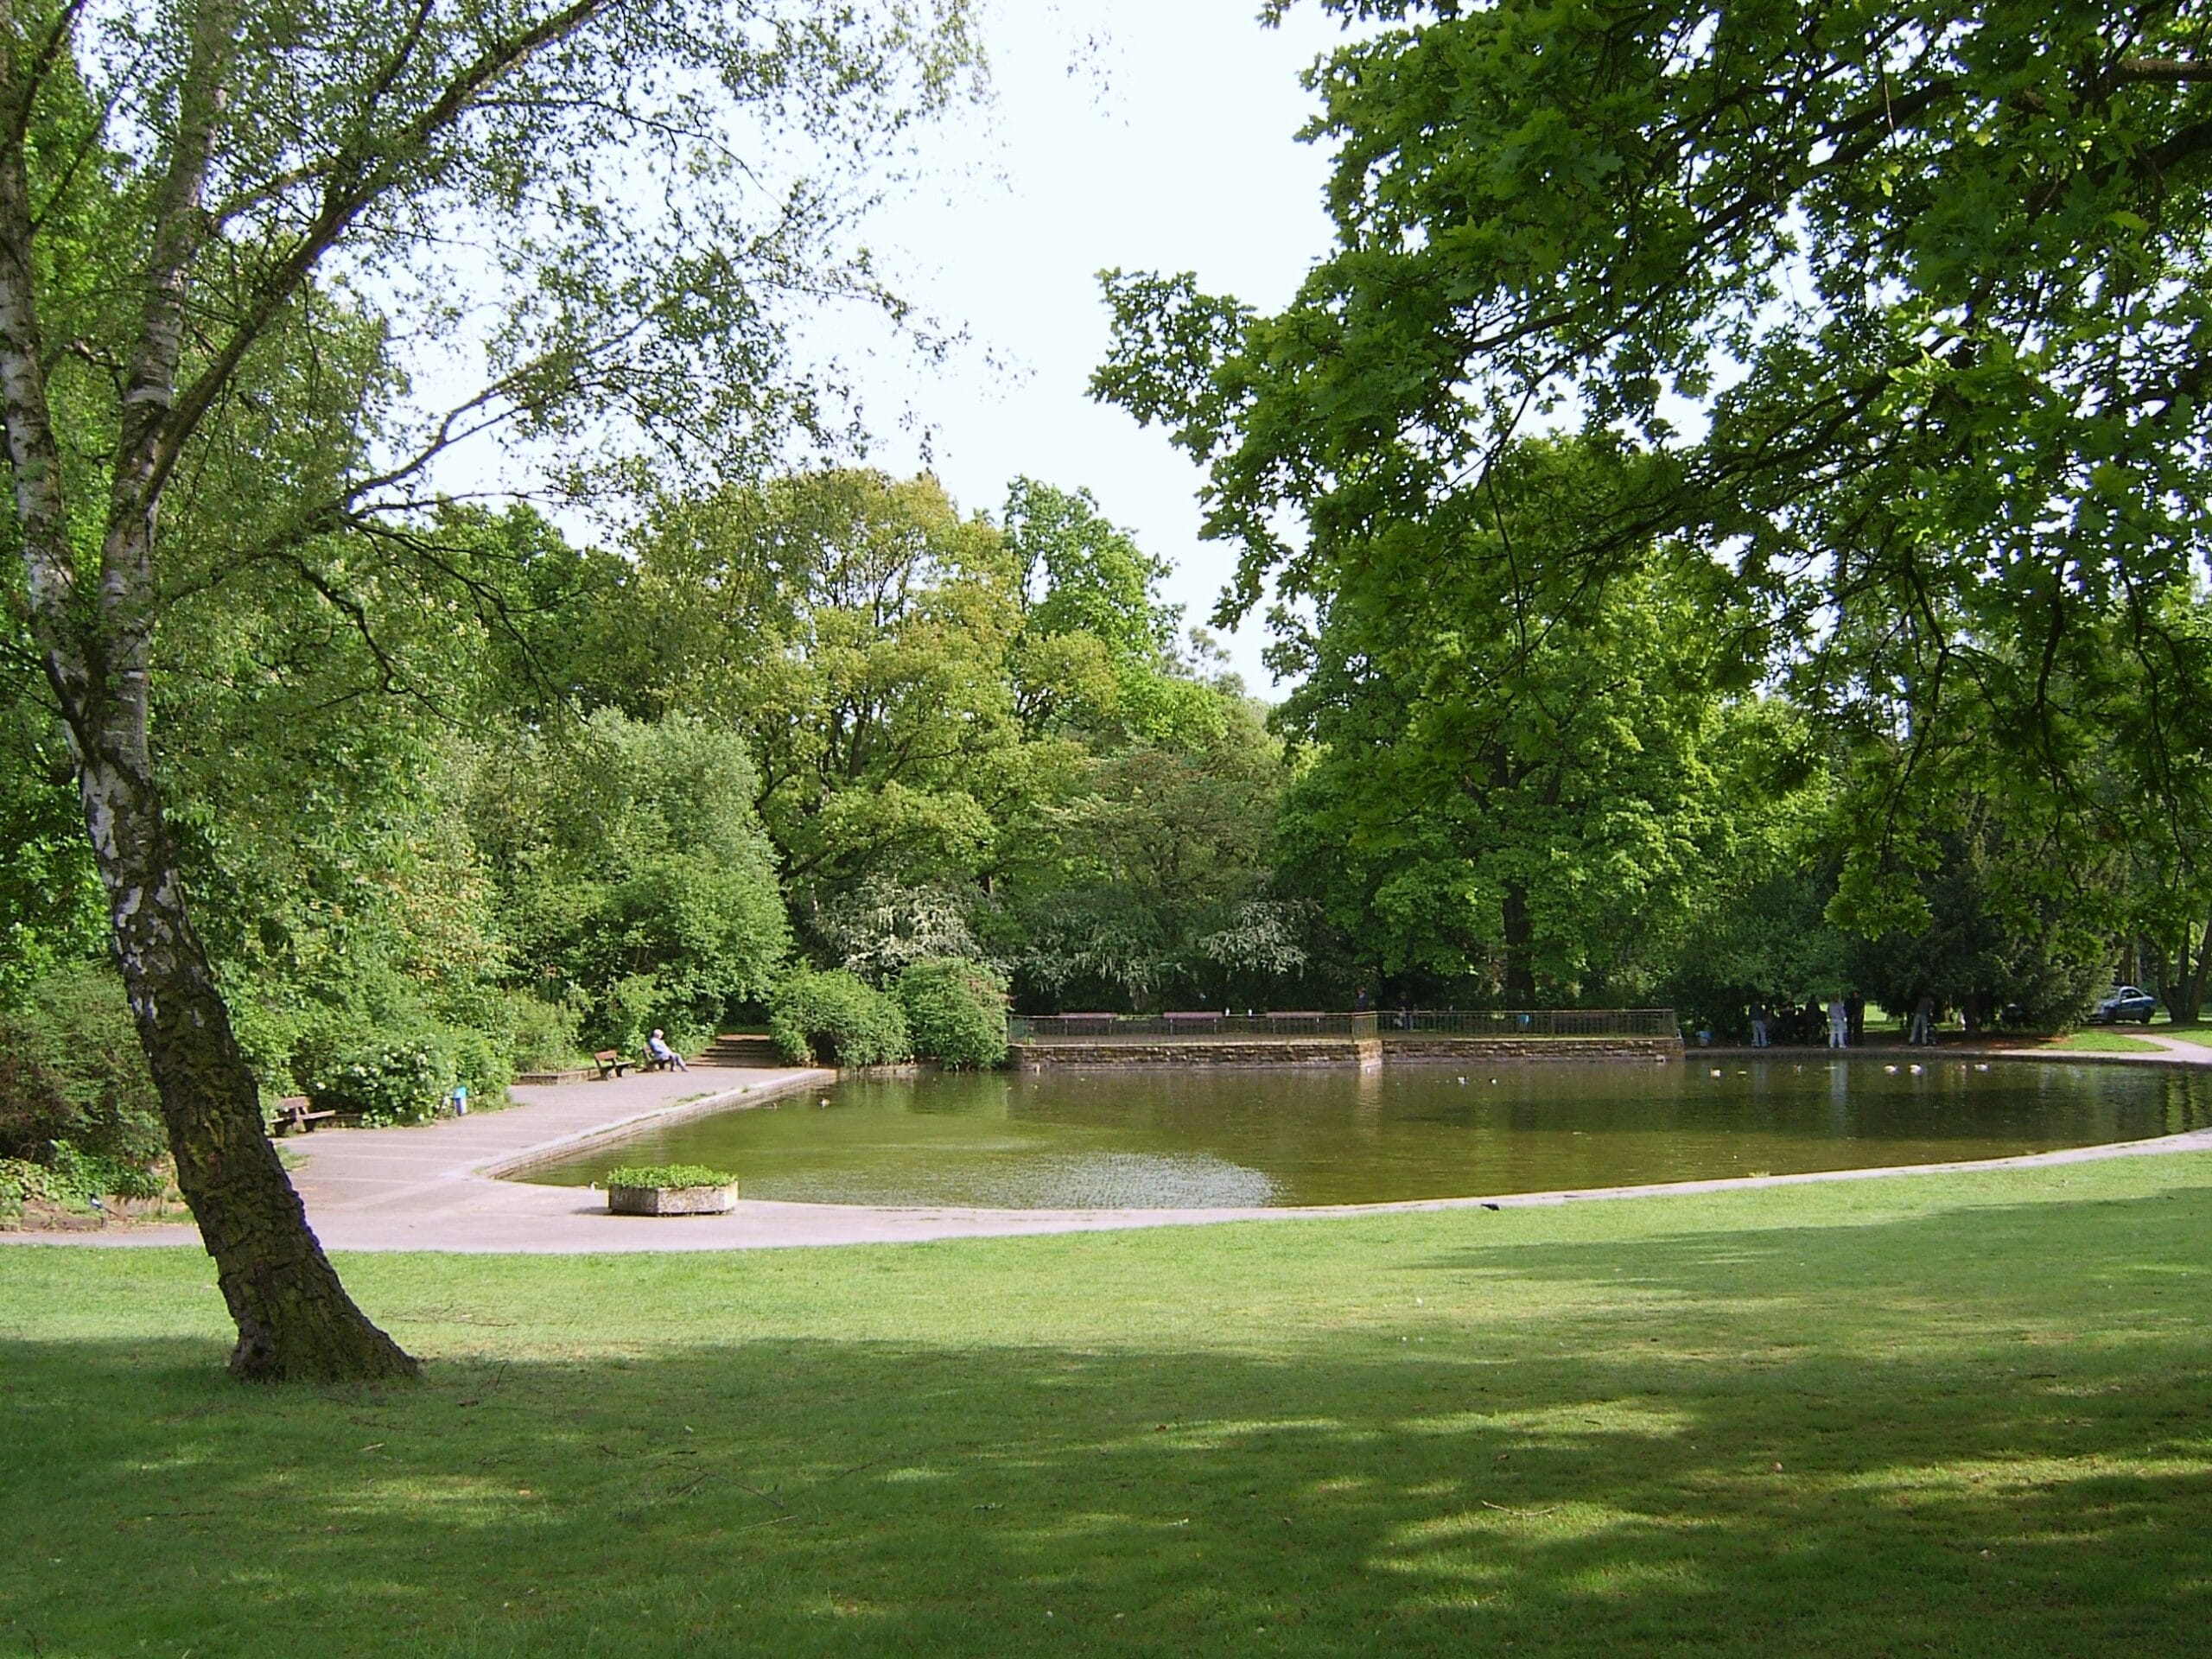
x=1198, y=1137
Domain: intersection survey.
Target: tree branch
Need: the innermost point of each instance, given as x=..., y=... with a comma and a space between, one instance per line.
x=346, y=197
x=2161, y=71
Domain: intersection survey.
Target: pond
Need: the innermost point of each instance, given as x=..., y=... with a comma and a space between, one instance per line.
x=1202, y=1137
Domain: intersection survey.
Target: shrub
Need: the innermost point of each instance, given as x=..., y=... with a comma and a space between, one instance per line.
x=72, y=1072
x=480, y=1065
x=833, y=1016
x=73, y=1178
x=21, y=1180
x=545, y=1036
x=398, y=1080
x=102, y=1175
x=669, y=1175
x=639, y=1003
x=955, y=1011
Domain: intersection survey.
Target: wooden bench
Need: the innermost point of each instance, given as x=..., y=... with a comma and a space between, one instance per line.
x=611, y=1063
x=294, y=1116
x=1200, y=1020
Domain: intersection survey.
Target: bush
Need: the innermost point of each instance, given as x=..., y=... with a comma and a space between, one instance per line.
x=955, y=1011
x=633, y=869
x=103, y=1175
x=638, y=1003
x=480, y=1065
x=398, y=1080
x=669, y=1175
x=73, y=1178
x=833, y=1016
x=545, y=1036
x=71, y=1073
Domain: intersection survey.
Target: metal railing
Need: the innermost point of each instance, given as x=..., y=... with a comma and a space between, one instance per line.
x=1197, y=1027
x=1531, y=1022
x=1204, y=1025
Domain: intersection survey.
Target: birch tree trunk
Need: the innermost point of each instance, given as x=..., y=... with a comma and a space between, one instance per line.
x=295, y=1320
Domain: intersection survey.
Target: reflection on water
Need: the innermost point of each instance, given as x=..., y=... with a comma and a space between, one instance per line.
x=1130, y=1180
x=1190, y=1138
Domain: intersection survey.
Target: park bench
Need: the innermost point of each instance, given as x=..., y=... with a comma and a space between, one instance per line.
x=1205, y=1020
x=295, y=1116
x=1086, y=1024
x=611, y=1063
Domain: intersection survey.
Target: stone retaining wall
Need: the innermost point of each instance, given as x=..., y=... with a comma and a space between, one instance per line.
x=1441, y=1046
x=1256, y=1050
x=1343, y=1051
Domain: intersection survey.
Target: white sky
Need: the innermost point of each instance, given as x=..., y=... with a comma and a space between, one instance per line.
x=1165, y=145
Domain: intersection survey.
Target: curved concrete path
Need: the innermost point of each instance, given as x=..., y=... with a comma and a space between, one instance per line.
x=2176, y=1049
x=435, y=1187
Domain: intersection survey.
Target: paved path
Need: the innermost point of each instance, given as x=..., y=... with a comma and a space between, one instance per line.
x=433, y=1187
x=2193, y=1053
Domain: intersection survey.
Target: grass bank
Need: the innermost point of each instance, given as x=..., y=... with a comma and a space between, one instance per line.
x=2200, y=1035
x=2101, y=1041
x=1962, y=1415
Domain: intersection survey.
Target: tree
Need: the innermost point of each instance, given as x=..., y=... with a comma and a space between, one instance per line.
x=1510, y=780
x=1908, y=300
x=1147, y=875
x=209, y=211
x=633, y=872
x=1097, y=646
x=1983, y=948
x=855, y=628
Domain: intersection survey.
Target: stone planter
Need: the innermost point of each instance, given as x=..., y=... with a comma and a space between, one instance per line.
x=670, y=1200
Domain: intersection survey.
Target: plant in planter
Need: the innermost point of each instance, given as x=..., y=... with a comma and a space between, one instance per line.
x=670, y=1190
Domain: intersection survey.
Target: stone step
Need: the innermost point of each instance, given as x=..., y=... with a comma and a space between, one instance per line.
x=741, y=1050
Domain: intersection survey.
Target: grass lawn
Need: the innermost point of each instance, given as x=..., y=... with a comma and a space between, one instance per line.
x=1953, y=1414
x=2101, y=1041
x=2199, y=1034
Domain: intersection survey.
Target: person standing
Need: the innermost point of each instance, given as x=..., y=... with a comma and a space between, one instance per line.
x=1759, y=1038
x=1839, y=1023
x=1855, y=1006
x=1923, y=1021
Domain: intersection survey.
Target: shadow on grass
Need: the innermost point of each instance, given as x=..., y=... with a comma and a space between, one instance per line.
x=1981, y=1449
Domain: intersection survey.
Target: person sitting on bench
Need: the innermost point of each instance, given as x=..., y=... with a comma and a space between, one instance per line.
x=659, y=1057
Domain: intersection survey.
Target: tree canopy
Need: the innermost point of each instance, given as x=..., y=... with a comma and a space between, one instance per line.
x=1904, y=304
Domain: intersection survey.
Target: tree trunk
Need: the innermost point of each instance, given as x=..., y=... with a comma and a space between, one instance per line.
x=1520, y=953
x=2189, y=1007
x=295, y=1320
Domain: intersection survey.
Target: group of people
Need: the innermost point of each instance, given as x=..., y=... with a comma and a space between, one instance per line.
x=1844, y=1021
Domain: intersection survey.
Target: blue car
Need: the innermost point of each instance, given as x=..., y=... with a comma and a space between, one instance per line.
x=2125, y=1003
